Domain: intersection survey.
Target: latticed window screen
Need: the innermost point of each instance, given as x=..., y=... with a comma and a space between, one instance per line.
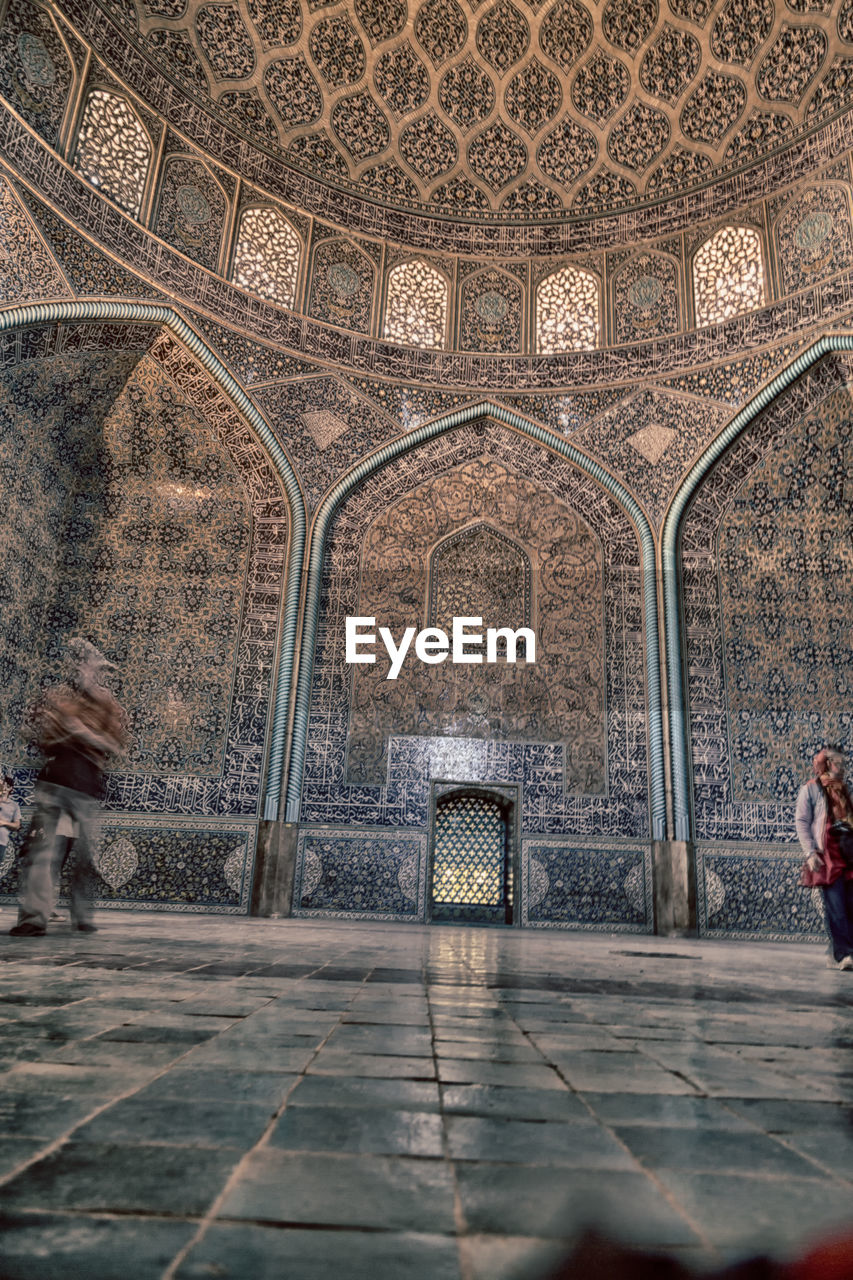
x=469, y=864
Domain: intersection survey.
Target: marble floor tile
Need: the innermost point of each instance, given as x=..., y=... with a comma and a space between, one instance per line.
x=557, y=1203
x=122, y=1179
x=369, y=1092
x=519, y=1075
x=520, y=1104
x=662, y=1110
x=368, y=1191
x=182, y=1122
x=220, y=1096
x=773, y=1213
x=266, y=1253
x=385, y=1132
x=341, y=1063
x=712, y=1150
x=41, y=1246
x=510, y=1141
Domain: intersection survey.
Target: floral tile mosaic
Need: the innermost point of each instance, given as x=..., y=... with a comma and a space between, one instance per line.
x=27, y=268
x=144, y=864
x=754, y=892
x=551, y=802
x=142, y=534
x=765, y=554
x=649, y=439
x=361, y=874
x=570, y=884
x=89, y=271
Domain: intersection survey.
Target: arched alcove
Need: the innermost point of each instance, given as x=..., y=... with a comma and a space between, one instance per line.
x=139, y=529
x=764, y=532
x=562, y=788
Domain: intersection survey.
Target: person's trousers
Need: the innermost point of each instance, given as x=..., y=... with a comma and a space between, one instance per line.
x=44, y=853
x=838, y=900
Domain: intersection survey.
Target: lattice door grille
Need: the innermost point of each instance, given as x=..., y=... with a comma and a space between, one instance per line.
x=471, y=878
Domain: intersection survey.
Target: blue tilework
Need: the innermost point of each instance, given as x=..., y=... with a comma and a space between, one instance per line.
x=145, y=864
x=754, y=893
x=412, y=761
x=766, y=607
x=364, y=875
x=567, y=883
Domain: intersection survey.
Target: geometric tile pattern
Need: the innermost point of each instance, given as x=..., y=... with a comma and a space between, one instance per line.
x=760, y=577
x=652, y=442
x=797, y=313
x=644, y=76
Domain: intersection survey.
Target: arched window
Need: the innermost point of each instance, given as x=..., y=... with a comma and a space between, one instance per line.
x=567, y=312
x=113, y=150
x=728, y=275
x=266, y=259
x=416, y=310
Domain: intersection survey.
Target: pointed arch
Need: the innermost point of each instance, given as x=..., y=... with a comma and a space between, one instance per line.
x=491, y=307
x=144, y=313
x=412, y=440
x=812, y=235
x=342, y=283
x=679, y=745
x=645, y=297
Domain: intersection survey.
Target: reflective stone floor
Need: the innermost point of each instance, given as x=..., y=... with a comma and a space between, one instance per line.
x=199, y=1096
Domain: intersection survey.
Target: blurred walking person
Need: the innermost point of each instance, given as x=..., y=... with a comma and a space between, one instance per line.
x=79, y=726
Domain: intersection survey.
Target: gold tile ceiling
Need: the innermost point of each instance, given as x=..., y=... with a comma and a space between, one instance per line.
x=519, y=107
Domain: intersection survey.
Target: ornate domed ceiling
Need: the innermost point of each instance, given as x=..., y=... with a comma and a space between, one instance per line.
x=521, y=108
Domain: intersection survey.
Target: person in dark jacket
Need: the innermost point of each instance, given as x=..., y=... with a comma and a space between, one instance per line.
x=78, y=726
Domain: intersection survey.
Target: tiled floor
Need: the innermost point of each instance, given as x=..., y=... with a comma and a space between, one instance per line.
x=198, y=1096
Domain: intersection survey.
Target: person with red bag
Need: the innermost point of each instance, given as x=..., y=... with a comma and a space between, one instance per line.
x=824, y=822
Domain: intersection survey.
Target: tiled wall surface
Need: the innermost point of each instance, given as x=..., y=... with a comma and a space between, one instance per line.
x=141, y=508
x=141, y=513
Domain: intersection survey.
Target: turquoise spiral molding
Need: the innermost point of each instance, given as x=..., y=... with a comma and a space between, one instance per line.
x=680, y=754
x=429, y=431
x=150, y=313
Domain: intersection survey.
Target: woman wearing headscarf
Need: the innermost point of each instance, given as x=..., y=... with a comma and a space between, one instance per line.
x=824, y=821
